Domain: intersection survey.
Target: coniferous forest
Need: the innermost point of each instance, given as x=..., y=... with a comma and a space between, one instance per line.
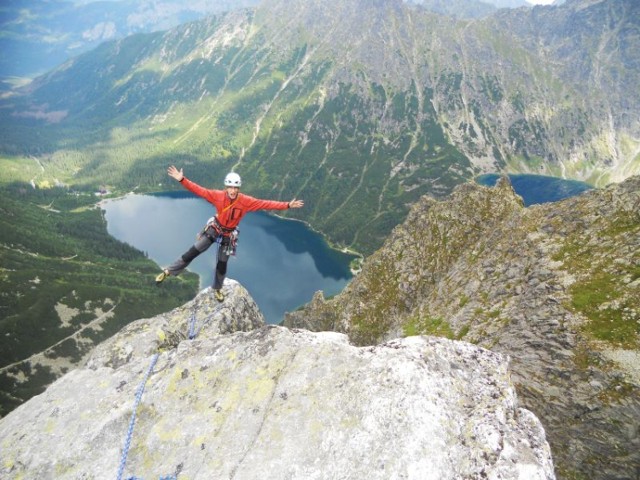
x=65, y=285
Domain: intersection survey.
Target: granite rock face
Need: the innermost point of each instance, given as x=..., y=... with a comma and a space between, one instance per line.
x=556, y=287
x=246, y=401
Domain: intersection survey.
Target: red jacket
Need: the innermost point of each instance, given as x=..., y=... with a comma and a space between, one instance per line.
x=231, y=212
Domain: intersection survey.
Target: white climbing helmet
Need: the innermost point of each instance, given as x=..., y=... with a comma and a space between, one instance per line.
x=232, y=180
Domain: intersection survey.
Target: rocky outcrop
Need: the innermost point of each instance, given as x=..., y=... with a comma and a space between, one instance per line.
x=554, y=286
x=274, y=403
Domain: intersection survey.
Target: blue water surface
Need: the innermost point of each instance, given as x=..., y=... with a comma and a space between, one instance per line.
x=535, y=189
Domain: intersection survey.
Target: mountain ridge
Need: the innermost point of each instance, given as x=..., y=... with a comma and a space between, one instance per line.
x=40, y=35
x=554, y=286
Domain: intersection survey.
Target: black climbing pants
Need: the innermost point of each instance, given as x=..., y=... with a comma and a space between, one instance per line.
x=204, y=241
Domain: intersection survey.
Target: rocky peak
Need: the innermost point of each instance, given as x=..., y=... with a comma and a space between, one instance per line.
x=245, y=400
x=554, y=286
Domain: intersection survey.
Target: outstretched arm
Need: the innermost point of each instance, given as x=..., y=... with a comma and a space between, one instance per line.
x=175, y=173
x=296, y=203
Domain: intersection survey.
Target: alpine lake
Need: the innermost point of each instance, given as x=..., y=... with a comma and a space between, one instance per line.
x=281, y=262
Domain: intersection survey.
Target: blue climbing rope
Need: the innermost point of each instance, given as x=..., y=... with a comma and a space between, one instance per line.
x=192, y=327
x=193, y=333
x=132, y=422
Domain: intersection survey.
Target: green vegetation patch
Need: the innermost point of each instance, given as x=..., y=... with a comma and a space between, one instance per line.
x=375, y=318
x=597, y=298
x=604, y=291
x=434, y=326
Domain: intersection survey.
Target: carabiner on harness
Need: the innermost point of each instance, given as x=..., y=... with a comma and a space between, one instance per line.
x=233, y=242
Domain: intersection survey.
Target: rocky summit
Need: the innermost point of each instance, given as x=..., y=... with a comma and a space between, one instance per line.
x=243, y=400
x=554, y=286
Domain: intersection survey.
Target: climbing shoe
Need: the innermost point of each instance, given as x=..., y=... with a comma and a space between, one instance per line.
x=219, y=295
x=161, y=276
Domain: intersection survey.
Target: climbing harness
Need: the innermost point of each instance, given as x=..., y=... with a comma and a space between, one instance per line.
x=192, y=333
x=230, y=248
x=215, y=232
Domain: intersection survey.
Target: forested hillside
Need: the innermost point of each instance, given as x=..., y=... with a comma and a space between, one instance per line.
x=65, y=285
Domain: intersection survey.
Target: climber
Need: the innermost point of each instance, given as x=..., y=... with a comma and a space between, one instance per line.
x=230, y=206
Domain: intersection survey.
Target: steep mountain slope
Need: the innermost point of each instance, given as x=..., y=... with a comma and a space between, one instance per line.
x=554, y=286
x=360, y=107
x=592, y=49
x=242, y=400
x=457, y=8
x=468, y=8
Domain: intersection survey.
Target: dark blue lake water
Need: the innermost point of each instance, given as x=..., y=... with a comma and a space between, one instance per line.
x=538, y=188
x=282, y=263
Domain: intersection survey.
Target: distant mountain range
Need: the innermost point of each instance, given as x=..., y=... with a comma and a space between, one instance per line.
x=38, y=35
x=358, y=106
x=468, y=8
